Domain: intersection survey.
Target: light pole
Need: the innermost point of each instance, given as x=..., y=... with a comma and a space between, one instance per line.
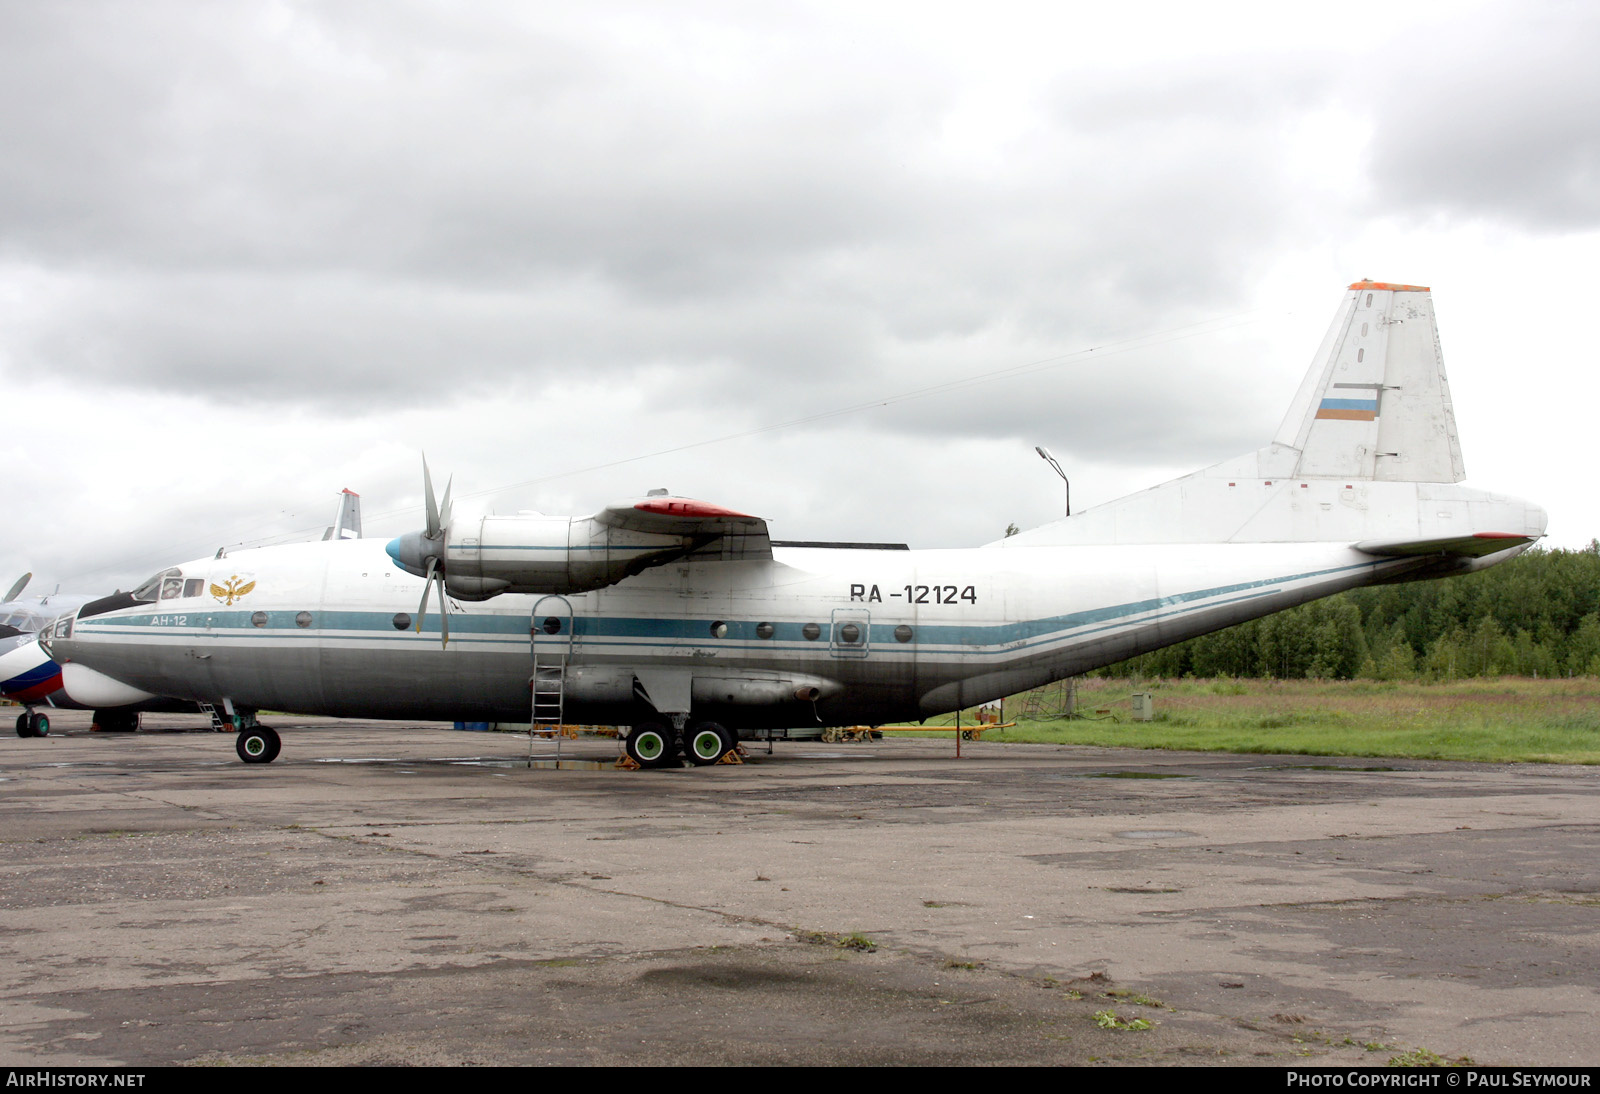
x=1044, y=454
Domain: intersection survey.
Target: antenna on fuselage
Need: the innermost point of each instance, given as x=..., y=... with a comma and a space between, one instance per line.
x=1044, y=454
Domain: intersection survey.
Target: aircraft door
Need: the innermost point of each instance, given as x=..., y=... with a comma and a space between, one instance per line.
x=851, y=633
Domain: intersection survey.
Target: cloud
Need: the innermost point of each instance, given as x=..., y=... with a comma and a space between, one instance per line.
x=296, y=243
x=1497, y=117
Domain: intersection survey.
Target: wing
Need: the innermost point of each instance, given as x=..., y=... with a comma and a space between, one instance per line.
x=718, y=532
x=1473, y=546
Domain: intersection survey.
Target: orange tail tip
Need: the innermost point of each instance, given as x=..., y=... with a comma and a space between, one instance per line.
x=1389, y=286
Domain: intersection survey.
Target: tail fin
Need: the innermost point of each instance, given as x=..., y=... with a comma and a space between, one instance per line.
x=1367, y=455
x=1375, y=403
x=347, y=522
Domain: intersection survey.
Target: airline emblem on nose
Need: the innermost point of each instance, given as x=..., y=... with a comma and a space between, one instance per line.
x=232, y=589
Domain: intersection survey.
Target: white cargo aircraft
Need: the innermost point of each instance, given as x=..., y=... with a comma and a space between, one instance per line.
x=685, y=622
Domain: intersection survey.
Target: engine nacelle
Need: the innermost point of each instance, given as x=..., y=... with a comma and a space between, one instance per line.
x=541, y=555
x=550, y=555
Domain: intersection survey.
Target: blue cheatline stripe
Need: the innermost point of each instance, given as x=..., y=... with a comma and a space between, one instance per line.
x=1349, y=404
x=647, y=632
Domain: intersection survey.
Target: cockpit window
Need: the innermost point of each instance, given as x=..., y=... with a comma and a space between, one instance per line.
x=157, y=587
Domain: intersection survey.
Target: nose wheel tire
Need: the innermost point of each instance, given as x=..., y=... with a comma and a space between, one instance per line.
x=650, y=745
x=707, y=743
x=258, y=745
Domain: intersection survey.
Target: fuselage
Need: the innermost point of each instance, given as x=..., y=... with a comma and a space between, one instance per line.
x=876, y=635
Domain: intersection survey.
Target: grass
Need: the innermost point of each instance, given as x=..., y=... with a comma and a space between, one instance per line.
x=1496, y=720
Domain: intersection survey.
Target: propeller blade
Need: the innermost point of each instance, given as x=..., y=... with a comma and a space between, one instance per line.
x=444, y=611
x=444, y=509
x=427, y=587
x=22, y=583
x=433, y=507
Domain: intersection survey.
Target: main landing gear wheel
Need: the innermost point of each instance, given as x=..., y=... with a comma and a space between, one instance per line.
x=41, y=725
x=115, y=721
x=707, y=743
x=23, y=729
x=650, y=745
x=32, y=724
x=258, y=745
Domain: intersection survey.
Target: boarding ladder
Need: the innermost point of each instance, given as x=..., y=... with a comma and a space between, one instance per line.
x=218, y=723
x=551, y=636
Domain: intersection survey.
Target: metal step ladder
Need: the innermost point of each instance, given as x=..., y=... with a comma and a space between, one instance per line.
x=551, y=637
x=218, y=723
x=549, y=690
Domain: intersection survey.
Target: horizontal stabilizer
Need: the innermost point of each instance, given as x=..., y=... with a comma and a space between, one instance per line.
x=1474, y=546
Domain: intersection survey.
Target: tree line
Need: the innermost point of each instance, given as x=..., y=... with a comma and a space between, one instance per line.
x=1537, y=615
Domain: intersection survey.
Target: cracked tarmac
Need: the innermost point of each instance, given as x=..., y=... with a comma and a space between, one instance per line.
x=406, y=894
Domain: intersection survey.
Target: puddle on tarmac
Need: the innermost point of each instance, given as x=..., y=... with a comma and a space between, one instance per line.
x=1130, y=775
x=1326, y=767
x=474, y=761
x=548, y=765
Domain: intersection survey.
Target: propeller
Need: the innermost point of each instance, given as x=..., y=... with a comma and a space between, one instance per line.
x=431, y=550
x=22, y=583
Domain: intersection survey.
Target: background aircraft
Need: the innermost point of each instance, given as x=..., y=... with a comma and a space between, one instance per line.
x=686, y=622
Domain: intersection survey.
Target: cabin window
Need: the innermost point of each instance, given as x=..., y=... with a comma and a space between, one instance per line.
x=902, y=633
x=811, y=632
x=302, y=619
x=194, y=586
x=171, y=587
x=401, y=620
x=765, y=630
x=552, y=624
x=258, y=619
x=719, y=629
x=849, y=634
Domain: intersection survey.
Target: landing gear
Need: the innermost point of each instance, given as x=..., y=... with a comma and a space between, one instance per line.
x=22, y=726
x=651, y=745
x=115, y=721
x=32, y=724
x=707, y=742
x=258, y=745
x=41, y=725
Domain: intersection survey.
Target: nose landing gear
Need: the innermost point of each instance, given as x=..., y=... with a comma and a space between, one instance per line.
x=33, y=724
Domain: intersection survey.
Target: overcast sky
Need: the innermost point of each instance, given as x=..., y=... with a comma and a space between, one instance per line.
x=838, y=265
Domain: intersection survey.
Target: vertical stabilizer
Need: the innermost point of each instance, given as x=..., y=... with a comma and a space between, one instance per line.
x=1376, y=404
x=347, y=525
